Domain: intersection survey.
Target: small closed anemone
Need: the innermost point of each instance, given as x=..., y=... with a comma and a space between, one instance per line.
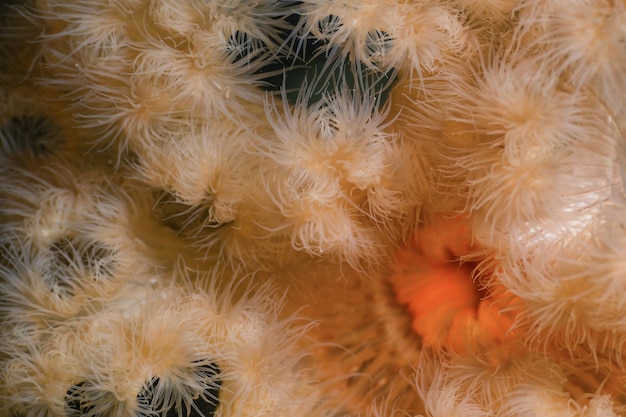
x=173, y=347
x=531, y=153
x=338, y=175
x=582, y=40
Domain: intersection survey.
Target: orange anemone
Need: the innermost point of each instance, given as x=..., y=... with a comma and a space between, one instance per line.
x=451, y=305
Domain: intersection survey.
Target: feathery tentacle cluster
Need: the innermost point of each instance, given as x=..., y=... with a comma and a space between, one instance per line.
x=438, y=183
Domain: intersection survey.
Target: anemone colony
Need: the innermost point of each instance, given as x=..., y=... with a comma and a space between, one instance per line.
x=312, y=208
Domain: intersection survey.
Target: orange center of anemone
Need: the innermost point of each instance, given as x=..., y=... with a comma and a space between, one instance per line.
x=448, y=305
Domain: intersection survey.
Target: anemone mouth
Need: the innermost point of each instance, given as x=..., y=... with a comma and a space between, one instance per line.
x=450, y=303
